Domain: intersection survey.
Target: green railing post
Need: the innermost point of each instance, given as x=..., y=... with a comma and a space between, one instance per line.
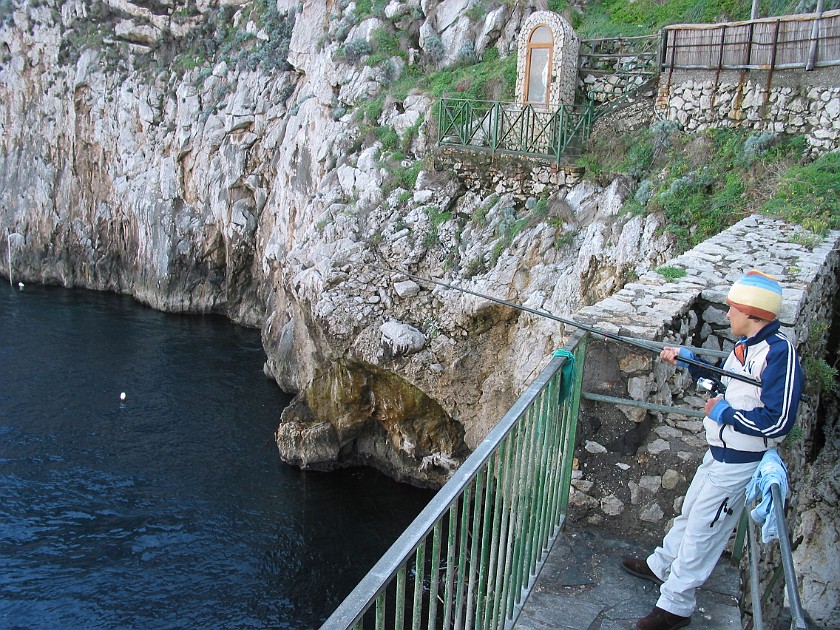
x=434, y=576
x=419, y=573
x=380, y=612
x=573, y=407
x=450, y=566
x=525, y=496
x=506, y=490
x=441, y=107
x=514, y=520
x=469, y=121
x=559, y=144
x=553, y=424
x=497, y=117
x=486, y=532
x=540, y=476
x=399, y=600
x=475, y=536
x=462, y=557
x=499, y=467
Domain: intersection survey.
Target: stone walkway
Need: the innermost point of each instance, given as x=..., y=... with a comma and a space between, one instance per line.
x=581, y=587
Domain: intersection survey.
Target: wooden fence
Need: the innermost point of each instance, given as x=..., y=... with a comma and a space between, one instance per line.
x=805, y=41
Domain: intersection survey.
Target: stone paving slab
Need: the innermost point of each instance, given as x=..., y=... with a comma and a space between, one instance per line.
x=582, y=587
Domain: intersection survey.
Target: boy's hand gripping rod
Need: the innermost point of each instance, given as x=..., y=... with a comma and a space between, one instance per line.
x=639, y=343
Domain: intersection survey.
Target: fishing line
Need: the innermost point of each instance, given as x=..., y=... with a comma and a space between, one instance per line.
x=631, y=341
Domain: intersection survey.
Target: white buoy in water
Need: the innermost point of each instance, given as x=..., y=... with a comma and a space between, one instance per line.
x=20, y=286
x=122, y=395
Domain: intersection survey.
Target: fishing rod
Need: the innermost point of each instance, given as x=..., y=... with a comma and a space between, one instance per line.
x=639, y=343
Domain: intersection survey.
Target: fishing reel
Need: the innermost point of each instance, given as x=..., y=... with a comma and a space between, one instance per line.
x=710, y=387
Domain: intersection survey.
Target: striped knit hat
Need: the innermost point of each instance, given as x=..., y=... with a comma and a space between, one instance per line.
x=756, y=294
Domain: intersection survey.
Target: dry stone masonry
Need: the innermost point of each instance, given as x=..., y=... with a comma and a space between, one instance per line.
x=806, y=103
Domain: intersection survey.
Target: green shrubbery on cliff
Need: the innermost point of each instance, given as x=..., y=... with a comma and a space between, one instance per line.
x=810, y=194
x=705, y=182
x=219, y=39
x=701, y=182
x=214, y=38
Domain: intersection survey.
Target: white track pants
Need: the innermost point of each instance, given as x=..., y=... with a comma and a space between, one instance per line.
x=693, y=545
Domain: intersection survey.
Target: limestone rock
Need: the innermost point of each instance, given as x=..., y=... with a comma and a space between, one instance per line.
x=658, y=446
x=401, y=339
x=308, y=444
x=408, y=288
x=651, y=483
x=652, y=513
x=594, y=447
x=581, y=500
x=671, y=478
x=612, y=505
x=582, y=485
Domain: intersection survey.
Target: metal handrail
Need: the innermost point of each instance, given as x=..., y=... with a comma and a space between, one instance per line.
x=640, y=404
x=519, y=128
x=796, y=611
x=787, y=559
x=491, y=525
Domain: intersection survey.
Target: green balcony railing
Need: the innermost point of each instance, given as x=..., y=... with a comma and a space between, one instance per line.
x=522, y=129
x=470, y=558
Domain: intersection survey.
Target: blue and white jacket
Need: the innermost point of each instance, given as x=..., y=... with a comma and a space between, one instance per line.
x=750, y=420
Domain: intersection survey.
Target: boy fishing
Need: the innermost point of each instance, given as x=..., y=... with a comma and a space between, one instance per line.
x=741, y=426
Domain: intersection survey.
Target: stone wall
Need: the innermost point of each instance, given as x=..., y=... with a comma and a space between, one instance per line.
x=634, y=466
x=503, y=173
x=790, y=101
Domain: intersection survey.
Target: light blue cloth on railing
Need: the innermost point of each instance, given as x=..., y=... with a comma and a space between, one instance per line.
x=771, y=469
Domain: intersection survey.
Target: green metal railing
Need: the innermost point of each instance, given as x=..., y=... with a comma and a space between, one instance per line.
x=785, y=570
x=521, y=129
x=474, y=552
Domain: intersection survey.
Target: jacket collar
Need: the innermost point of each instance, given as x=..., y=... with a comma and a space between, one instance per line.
x=770, y=329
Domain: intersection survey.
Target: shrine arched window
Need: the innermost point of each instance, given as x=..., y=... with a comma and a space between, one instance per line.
x=538, y=66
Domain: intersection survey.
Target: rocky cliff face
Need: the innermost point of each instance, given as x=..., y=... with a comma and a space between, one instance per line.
x=181, y=156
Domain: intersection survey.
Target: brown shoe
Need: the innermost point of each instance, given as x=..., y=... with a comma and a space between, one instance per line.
x=639, y=568
x=659, y=619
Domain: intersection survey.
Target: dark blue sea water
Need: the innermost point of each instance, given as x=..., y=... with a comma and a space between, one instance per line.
x=171, y=509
